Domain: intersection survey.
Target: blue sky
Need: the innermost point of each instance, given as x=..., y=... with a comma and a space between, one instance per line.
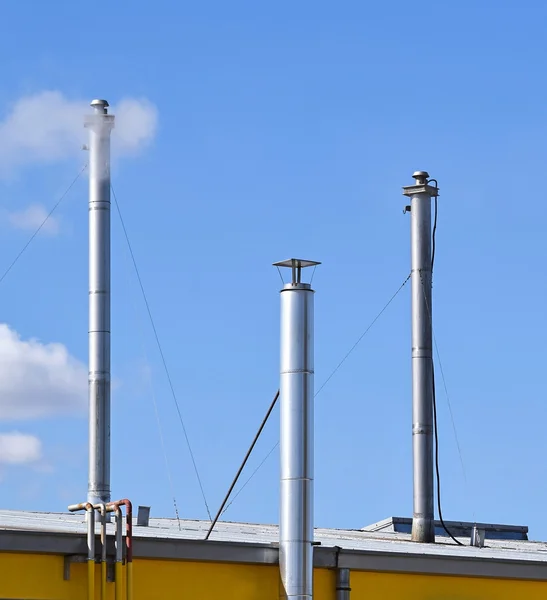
x=285, y=130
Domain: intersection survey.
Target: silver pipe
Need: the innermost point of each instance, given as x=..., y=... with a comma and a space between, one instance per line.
x=100, y=125
x=102, y=512
x=296, y=442
x=90, y=532
x=343, y=589
x=102, y=509
x=118, y=573
x=423, y=529
x=90, y=512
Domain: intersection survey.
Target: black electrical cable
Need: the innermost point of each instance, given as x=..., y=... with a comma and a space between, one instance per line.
x=434, y=226
x=435, y=427
x=437, y=460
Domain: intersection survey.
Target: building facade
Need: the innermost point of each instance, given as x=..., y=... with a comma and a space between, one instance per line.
x=43, y=556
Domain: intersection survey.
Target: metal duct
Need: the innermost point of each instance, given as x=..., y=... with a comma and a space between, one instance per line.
x=296, y=441
x=100, y=125
x=422, y=347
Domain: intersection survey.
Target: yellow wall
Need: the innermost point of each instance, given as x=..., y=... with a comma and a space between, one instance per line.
x=219, y=581
x=387, y=586
x=40, y=577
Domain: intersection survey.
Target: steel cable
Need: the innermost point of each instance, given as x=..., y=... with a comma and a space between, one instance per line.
x=162, y=355
x=228, y=504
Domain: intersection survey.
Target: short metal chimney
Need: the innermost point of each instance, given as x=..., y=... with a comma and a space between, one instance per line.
x=423, y=529
x=296, y=442
x=100, y=125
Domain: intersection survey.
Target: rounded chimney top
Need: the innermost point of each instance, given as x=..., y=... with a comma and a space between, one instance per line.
x=100, y=106
x=420, y=176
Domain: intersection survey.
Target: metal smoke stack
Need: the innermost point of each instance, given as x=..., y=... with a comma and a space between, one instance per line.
x=423, y=528
x=296, y=440
x=100, y=125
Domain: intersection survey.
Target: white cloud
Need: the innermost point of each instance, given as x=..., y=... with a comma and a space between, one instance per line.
x=47, y=127
x=30, y=218
x=135, y=125
x=19, y=448
x=38, y=380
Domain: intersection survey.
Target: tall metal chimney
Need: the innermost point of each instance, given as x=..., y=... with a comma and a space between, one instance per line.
x=423, y=529
x=296, y=442
x=100, y=125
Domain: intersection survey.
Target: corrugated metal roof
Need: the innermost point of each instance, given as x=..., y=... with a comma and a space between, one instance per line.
x=347, y=539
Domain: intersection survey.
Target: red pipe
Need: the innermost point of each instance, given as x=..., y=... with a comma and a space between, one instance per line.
x=128, y=525
x=128, y=541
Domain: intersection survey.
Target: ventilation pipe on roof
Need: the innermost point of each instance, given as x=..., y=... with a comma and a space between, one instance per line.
x=420, y=193
x=100, y=125
x=296, y=441
x=104, y=564
x=90, y=551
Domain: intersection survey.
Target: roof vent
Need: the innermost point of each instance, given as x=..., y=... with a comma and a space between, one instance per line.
x=143, y=516
x=477, y=537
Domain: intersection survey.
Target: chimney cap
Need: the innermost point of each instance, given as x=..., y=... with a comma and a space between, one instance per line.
x=296, y=262
x=421, y=186
x=296, y=265
x=99, y=103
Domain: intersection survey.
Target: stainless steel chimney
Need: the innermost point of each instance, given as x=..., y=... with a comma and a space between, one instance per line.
x=423, y=529
x=296, y=441
x=100, y=125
